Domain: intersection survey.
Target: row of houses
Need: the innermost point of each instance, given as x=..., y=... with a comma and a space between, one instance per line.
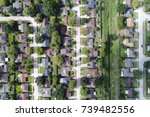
x=93, y=54
x=128, y=42
x=18, y=5
x=22, y=39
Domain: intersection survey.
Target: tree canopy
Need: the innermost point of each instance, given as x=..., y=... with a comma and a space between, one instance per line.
x=57, y=60
x=59, y=92
x=121, y=8
x=52, y=7
x=56, y=40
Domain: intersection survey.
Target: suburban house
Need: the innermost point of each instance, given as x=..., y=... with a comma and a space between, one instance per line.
x=93, y=72
x=21, y=57
x=130, y=52
x=67, y=41
x=3, y=78
x=45, y=62
x=18, y=5
x=129, y=82
x=46, y=92
x=128, y=43
x=128, y=3
x=4, y=89
x=2, y=58
x=24, y=96
x=23, y=78
x=128, y=32
x=25, y=87
x=91, y=4
x=22, y=47
x=130, y=93
x=3, y=38
x=125, y=72
x=3, y=48
x=129, y=13
x=22, y=38
x=22, y=26
x=26, y=3
x=64, y=80
x=129, y=63
x=130, y=22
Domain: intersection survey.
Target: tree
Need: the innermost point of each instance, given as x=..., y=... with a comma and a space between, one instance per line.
x=147, y=5
x=72, y=85
x=29, y=30
x=28, y=50
x=52, y=7
x=84, y=81
x=13, y=11
x=57, y=60
x=32, y=10
x=59, y=92
x=121, y=22
x=37, y=1
x=135, y=4
x=137, y=74
x=4, y=3
x=28, y=63
x=84, y=31
x=39, y=50
x=39, y=39
x=147, y=64
x=84, y=92
x=121, y=8
x=40, y=81
x=55, y=81
x=39, y=17
x=72, y=21
x=85, y=51
x=56, y=40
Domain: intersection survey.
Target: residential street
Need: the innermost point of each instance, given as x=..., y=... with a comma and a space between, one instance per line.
x=35, y=25
x=77, y=38
x=142, y=16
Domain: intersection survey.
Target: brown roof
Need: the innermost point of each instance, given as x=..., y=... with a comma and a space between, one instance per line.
x=1, y=28
x=22, y=38
x=65, y=71
x=22, y=47
x=65, y=51
x=21, y=57
x=21, y=69
x=3, y=38
x=94, y=72
x=24, y=88
x=63, y=30
x=49, y=52
x=65, y=20
x=130, y=22
x=47, y=83
x=23, y=77
x=127, y=42
x=91, y=23
x=128, y=2
x=24, y=96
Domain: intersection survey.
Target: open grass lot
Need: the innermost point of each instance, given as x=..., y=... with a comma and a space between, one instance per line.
x=146, y=78
x=110, y=62
x=146, y=39
x=114, y=50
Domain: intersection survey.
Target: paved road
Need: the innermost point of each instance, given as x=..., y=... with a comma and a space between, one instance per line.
x=35, y=26
x=78, y=69
x=142, y=16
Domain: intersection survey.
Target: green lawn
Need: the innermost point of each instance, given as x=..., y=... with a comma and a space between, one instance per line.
x=114, y=51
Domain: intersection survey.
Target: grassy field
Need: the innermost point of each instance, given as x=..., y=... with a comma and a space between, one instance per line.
x=111, y=59
x=114, y=51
